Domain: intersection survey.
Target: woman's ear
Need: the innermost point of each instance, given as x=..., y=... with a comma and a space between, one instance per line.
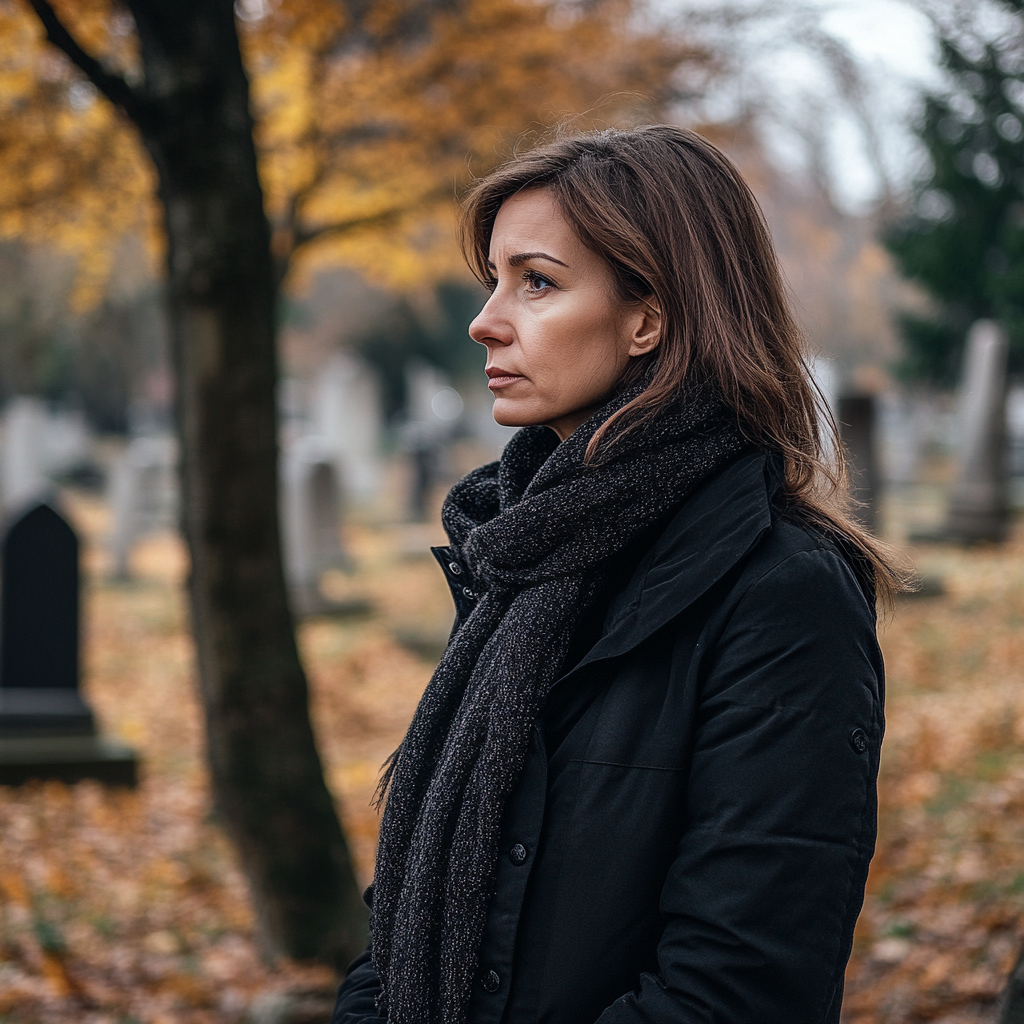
x=646, y=329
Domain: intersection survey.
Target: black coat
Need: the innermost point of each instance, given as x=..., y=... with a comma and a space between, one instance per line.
x=690, y=837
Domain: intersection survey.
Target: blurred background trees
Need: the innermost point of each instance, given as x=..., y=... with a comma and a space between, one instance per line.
x=962, y=236
x=363, y=131
x=360, y=126
x=186, y=98
x=362, y=123
x=135, y=121
x=98, y=357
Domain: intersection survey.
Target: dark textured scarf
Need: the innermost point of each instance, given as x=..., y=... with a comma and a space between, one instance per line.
x=536, y=534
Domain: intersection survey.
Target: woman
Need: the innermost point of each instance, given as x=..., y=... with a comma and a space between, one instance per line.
x=640, y=786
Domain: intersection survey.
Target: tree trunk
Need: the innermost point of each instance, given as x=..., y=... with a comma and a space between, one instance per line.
x=267, y=777
x=1011, y=1010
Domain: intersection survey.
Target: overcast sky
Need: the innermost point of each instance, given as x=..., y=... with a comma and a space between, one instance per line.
x=895, y=43
x=888, y=33
x=892, y=43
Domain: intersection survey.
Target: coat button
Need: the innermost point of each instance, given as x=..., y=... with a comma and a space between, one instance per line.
x=455, y=568
x=518, y=854
x=470, y=595
x=859, y=740
x=491, y=982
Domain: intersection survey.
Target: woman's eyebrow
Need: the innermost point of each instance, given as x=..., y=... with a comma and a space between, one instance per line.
x=520, y=258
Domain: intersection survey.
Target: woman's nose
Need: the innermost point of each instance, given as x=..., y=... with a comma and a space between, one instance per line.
x=489, y=327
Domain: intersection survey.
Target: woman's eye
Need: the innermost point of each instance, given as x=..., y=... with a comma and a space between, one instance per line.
x=536, y=282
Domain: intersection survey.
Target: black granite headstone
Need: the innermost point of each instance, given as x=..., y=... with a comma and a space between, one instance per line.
x=46, y=728
x=39, y=623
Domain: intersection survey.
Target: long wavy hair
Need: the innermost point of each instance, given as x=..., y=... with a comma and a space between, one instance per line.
x=681, y=230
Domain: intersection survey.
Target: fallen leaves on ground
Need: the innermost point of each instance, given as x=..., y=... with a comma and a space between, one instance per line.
x=942, y=922
x=128, y=907
x=121, y=907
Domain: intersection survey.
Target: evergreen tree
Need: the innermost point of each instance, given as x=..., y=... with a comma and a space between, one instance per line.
x=963, y=240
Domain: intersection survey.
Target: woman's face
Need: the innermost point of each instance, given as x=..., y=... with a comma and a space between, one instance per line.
x=558, y=337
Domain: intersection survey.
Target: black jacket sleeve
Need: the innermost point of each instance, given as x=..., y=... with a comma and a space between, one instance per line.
x=357, y=996
x=358, y=993
x=760, y=902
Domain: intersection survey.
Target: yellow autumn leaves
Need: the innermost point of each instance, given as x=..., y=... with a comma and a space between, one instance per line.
x=365, y=132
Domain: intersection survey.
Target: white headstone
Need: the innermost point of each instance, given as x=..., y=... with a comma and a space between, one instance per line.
x=1015, y=428
x=25, y=463
x=143, y=495
x=346, y=414
x=310, y=496
x=978, y=498
x=38, y=444
x=434, y=409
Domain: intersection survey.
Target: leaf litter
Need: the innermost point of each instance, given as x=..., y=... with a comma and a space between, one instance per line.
x=942, y=921
x=128, y=907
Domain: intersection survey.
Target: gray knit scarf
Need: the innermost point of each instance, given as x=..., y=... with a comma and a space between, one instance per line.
x=536, y=534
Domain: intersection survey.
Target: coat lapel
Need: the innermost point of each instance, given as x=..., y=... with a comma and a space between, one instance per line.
x=712, y=532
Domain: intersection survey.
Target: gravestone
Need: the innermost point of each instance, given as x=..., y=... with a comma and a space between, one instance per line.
x=143, y=496
x=345, y=410
x=46, y=728
x=24, y=452
x=978, y=500
x=38, y=444
x=857, y=419
x=310, y=497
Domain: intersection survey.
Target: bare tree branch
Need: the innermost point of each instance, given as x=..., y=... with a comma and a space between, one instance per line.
x=114, y=87
x=303, y=236
x=849, y=78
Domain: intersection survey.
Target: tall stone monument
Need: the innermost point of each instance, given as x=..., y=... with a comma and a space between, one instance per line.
x=978, y=501
x=46, y=728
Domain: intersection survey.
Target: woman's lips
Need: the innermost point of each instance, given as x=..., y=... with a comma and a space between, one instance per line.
x=502, y=380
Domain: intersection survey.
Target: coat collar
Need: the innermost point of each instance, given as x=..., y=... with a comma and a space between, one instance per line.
x=711, y=533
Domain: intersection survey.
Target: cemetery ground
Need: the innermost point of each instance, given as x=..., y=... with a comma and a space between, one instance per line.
x=126, y=907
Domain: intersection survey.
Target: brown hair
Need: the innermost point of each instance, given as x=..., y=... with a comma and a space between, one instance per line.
x=681, y=229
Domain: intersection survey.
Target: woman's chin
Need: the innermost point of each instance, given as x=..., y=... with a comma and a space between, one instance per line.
x=510, y=414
